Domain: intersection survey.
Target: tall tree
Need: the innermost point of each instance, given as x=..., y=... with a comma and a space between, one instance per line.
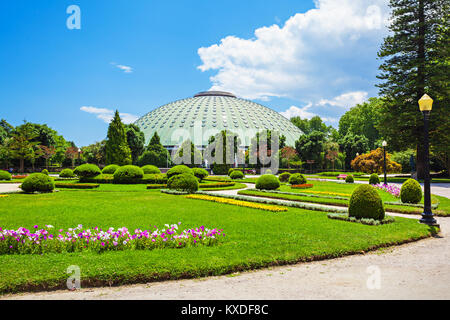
x=352, y=144
x=362, y=120
x=135, y=140
x=155, y=154
x=314, y=124
x=22, y=146
x=411, y=54
x=310, y=146
x=117, y=149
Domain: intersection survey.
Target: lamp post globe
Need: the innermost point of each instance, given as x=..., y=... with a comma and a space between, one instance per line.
x=384, y=144
x=425, y=106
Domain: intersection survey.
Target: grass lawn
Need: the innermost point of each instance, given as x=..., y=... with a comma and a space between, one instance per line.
x=254, y=238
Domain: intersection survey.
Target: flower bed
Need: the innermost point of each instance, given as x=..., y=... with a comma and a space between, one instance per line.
x=3, y=196
x=42, y=240
x=19, y=177
x=395, y=191
x=237, y=203
x=371, y=222
x=302, y=186
x=77, y=185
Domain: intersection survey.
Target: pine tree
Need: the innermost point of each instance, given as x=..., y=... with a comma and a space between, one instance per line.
x=411, y=54
x=117, y=149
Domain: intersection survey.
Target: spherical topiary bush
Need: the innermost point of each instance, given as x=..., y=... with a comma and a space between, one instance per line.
x=297, y=178
x=183, y=182
x=200, y=173
x=180, y=169
x=237, y=174
x=66, y=173
x=38, y=182
x=267, y=182
x=284, y=177
x=365, y=202
x=374, y=179
x=230, y=171
x=267, y=171
x=111, y=169
x=349, y=179
x=150, y=169
x=45, y=171
x=411, y=192
x=87, y=170
x=5, y=175
x=128, y=174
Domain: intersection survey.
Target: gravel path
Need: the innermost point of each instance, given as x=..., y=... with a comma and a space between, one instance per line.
x=419, y=270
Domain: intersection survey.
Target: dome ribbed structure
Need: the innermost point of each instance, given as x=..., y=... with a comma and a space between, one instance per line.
x=211, y=112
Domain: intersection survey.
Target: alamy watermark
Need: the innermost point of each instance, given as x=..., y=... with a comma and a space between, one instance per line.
x=74, y=20
x=74, y=280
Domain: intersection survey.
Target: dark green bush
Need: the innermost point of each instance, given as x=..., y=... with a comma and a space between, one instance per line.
x=77, y=185
x=128, y=174
x=267, y=182
x=297, y=178
x=220, y=169
x=5, y=175
x=284, y=177
x=180, y=169
x=45, y=171
x=365, y=202
x=38, y=182
x=374, y=179
x=151, y=169
x=155, y=178
x=237, y=174
x=101, y=178
x=183, y=182
x=350, y=179
x=111, y=169
x=66, y=173
x=411, y=191
x=200, y=173
x=87, y=170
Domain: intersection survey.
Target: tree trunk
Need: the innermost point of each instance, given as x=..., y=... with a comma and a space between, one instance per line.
x=21, y=165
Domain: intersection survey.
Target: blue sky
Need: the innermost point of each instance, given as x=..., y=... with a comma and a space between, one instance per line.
x=297, y=57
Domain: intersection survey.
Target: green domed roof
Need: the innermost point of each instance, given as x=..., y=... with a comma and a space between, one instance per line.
x=210, y=112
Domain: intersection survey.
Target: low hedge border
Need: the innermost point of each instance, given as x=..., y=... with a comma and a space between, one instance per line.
x=299, y=194
x=293, y=204
x=156, y=186
x=370, y=222
x=109, y=178
x=239, y=203
x=416, y=205
x=174, y=192
x=302, y=186
x=77, y=185
x=66, y=179
x=217, y=185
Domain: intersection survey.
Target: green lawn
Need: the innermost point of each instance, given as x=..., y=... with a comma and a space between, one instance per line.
x=254, y=238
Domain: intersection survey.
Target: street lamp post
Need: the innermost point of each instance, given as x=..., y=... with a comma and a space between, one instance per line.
x=384, y=164
x=425, y=105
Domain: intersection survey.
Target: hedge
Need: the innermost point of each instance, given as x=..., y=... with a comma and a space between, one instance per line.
x=5, y=175
x=128, y=174
x=87, y=170
x=77, y=185
x=39, y=182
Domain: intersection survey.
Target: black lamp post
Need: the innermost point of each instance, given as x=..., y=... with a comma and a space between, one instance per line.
x=425, y=105
x=384, y=164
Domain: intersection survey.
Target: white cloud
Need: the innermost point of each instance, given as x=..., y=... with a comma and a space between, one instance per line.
x=125, y=69
x=316, y=54
x=303, y=113
x=346, y=100
x=107, y=114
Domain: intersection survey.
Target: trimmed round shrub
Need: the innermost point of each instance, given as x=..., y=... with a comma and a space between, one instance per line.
x=183, y=182
x=128, y=174
x=230, y=171
x=374, y=179
x=284, y=177
x=349, y=179
x=365, y=202
x=297, y=178
x=66, y=173
x=150, y=169
x=45, y=171
x=267, y=171
x=411, y=192
x=5, y=175
x=267, y=182
x=111, y=169
x=87, y=170
x=200, y=173
x=38, y=182
x=180, y=169
x=237, y=174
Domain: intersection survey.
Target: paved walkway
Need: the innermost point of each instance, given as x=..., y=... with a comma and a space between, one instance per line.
x=9, y=187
